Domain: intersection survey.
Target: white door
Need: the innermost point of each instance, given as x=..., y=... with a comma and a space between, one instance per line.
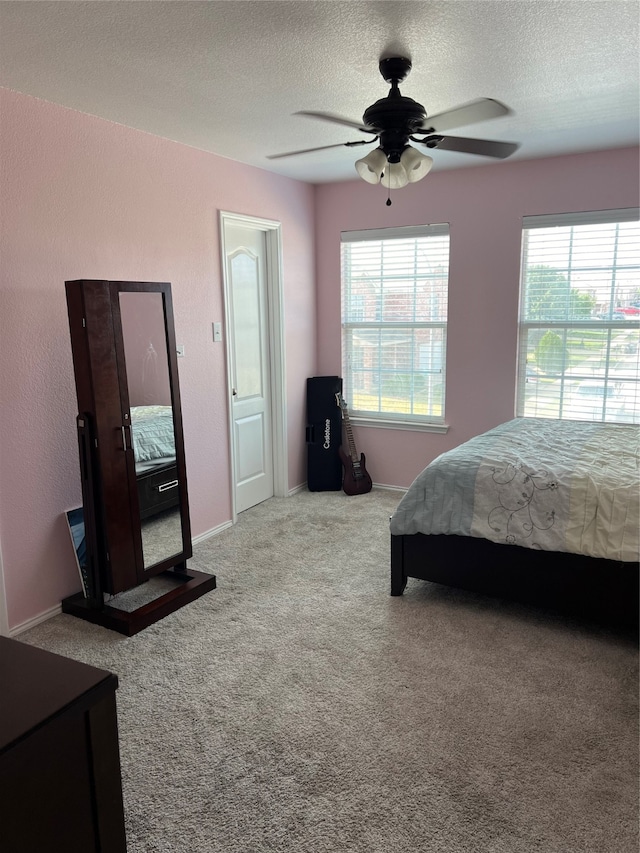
x=249, y=356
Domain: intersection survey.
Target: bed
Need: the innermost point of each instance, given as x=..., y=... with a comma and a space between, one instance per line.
x=155, y=458
x=539, y=510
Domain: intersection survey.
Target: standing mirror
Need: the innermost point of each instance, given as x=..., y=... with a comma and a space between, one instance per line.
x=132, y=460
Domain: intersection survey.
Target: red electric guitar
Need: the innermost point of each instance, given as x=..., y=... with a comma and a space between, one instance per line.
x=356, y=479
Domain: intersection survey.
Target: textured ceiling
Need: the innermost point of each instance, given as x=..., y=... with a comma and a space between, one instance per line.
x=227, y=76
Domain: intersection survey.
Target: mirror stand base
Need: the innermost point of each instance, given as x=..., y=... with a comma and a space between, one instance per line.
x=129, y=622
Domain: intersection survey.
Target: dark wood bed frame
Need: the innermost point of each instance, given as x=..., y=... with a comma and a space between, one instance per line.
x=604, y=590
x=156, y=490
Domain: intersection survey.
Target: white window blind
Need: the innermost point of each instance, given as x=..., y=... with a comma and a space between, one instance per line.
x=579, y=332
x=394, y=322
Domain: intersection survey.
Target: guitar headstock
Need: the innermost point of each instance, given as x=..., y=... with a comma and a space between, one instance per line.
x=341, y=402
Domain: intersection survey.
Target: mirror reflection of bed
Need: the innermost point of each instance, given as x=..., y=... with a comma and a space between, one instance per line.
x=156, y=473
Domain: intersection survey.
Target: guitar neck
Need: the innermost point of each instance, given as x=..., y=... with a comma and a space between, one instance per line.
x=350, y=440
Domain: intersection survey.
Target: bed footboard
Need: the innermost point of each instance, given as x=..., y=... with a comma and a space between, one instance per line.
x=568, y=582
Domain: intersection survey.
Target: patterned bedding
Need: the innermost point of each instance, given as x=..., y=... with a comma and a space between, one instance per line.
x=539, y=483
x=153, y=442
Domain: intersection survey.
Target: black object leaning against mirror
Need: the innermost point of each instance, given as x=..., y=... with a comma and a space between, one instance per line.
x=131, y=447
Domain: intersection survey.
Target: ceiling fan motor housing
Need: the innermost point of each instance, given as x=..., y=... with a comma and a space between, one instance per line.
x=395, y=117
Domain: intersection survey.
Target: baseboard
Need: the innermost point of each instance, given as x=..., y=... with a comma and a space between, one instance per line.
x=297, y=489
x=399, y=489
x=213, y=532
x=36, y=620
x=303, y=487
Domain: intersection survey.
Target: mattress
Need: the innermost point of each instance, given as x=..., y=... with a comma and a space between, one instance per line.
x=539, y=483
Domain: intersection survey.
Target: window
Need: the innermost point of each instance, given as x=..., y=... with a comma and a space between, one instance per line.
x=394, y=323
x=579, y=334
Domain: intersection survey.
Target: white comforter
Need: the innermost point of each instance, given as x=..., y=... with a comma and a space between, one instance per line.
x=153, y=440
x=538, y=483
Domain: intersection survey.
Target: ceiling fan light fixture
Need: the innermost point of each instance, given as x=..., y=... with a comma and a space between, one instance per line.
x=371, y=167
x=395, y=176
x=415, y=163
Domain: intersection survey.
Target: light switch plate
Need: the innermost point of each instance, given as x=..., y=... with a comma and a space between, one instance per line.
x=180, y=350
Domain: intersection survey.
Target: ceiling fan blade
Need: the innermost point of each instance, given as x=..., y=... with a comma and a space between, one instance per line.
x=485, y=147
x=337, y=120
x=479, y=110
x=321, y=148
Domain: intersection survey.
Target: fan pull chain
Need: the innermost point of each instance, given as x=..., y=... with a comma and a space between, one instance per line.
x=388, y=201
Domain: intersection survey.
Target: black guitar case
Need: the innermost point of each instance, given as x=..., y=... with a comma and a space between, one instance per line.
x=324, y=434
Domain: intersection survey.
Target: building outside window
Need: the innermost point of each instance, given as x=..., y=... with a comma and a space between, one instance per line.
x=394, y=324
x=579, y=330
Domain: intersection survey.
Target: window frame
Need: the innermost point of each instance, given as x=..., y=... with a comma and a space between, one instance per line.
x=563, y=327
x=400, y=420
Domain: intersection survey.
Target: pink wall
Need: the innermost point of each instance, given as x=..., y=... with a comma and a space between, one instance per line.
x=484, y=206
x=86, y=198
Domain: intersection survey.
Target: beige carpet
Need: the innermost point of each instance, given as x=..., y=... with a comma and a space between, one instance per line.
x=300, y=708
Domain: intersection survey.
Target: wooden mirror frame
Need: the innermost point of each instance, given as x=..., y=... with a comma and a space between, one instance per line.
x=109, y=483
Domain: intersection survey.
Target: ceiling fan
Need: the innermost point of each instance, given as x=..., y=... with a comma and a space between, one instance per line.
x=396, y=120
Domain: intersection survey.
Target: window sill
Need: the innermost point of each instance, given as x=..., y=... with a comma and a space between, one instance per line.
x=411, y=426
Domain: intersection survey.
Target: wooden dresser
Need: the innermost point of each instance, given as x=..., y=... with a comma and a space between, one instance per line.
x=60, y=783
